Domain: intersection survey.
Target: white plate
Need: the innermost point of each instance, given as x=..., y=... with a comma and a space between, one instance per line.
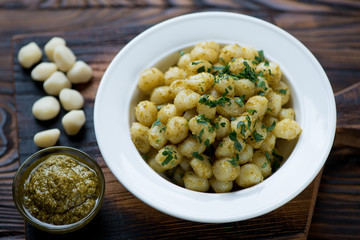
x=312, y=98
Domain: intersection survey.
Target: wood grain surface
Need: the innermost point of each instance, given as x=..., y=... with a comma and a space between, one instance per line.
x=329, y=28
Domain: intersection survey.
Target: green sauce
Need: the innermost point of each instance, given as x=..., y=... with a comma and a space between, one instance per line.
x=61, y=190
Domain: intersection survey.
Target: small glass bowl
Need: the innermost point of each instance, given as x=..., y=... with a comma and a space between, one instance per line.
x=31, y=163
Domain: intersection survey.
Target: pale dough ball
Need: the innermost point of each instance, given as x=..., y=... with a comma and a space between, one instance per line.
x=220, y=186
x=250, y=175
x=43, y=71
x=71, y=99
x=287, y=129
x=64, y=57
x=47, y=138
x=51, y=45
x=46, y=108
x=195, y=183
x=150, y=78
x=139, y=135
x=73, y=121
x=55, y=83
x=29, y=55
x=80, y=72
x=146, y=112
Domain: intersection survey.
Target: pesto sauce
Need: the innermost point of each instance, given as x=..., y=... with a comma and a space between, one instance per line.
x=61, y=190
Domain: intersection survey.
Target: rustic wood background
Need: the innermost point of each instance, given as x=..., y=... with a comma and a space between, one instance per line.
x=329, y=28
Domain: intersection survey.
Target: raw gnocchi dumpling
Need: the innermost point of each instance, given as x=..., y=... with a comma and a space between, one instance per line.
x=55, y=83
x=73, y=121
x=29, y=55
x=47, y=138
x=46, y=108
x=43, y=71
x=71, y=99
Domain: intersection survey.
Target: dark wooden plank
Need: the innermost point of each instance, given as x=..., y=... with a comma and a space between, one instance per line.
x=122, y=215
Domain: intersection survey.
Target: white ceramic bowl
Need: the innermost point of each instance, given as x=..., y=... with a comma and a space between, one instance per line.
x=312, y=99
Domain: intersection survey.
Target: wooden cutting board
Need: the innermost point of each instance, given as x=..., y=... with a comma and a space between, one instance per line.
x=122, y=215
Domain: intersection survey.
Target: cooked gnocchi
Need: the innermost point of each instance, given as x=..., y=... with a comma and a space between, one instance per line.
x=210, y=122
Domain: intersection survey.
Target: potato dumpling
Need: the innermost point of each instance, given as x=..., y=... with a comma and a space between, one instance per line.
x=184, y=61
x=176, y=129
x=162, y=95
x=174, y=73
x=186, y=99
x=200, y=83
x=64, y=57
x=249, y=52
x=271, y=71
x=287, y=129
x=166, y=112
x=230, y=107
x=283, y=89
x=274, y=104
x=150, y=78
x=198, y=66
x=194, y=182
x=244, y=88
x=47, y=138
x=201, y=164
x=29, y=55
x=237, y=65
x=263, y=161
x=146, y=113
x=168, y=157
x=46, y=108
x=257, y=106
x=205, y=106
x=220, y=186
x=246, y=155
x=243, y=125
x=258, y=135
x=249, y=175
x=43, y=71
x=269, y=143
x=208, y=50
x=230, y=52
x=157, y=136
x=202, y=130
x=225, y=170
x=73, y=121
x=80, y=72
x=286, y=113
x=140, y=135
x=191, y=145
x=178, y=176
x=222, y=126
x=71, y=99
x=55, y=83
x=230, y=147
x=225, y=85
x=51, y=45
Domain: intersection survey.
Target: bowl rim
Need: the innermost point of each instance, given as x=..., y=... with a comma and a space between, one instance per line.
x=150, y=200
x=36, y=161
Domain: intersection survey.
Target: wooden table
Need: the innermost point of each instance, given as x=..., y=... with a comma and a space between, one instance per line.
x=328, y=209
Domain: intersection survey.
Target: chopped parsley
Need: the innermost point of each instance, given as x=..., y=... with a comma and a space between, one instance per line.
x=257, y=137
x=168, y=152
x=241, y=124
x=251, y=111
x=200, y=135
x=207, y=143
x=196, y=63
x=271, y=127
x=261, y=57
x=283, y=91
x=240, y=100
x=223, y=124
x=157, y=122
x=234, y=161
x=201, y=119
x=201, y=69
x=204, y=99
x=198, y=156
x=181, y=52
x=237, y=145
